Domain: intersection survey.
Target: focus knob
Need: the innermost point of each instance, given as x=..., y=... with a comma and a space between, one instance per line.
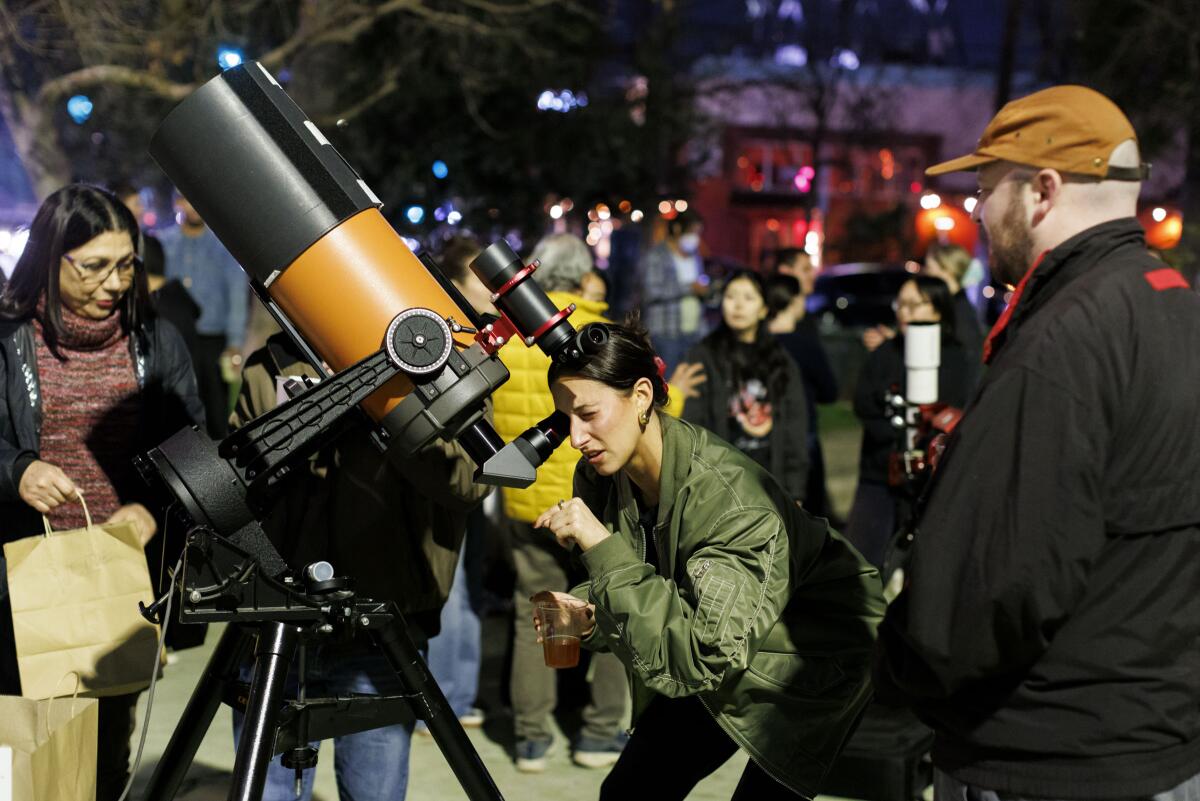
x=418, y=341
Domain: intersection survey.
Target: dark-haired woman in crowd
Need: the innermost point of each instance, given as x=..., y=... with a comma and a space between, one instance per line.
x=791, y=325
x=922, y=299
x=742, y=621
x=88, y=379
x=754, y=396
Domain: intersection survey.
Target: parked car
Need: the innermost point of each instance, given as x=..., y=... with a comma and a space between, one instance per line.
x=848, y=299
x=857, y=295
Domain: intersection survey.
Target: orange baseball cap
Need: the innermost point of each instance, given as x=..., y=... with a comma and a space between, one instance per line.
x=1071, y=129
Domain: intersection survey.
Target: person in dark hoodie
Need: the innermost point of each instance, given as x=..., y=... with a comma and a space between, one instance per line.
x=394, y=524
x=1049, y=631
x=796, y=330
x=754, y=395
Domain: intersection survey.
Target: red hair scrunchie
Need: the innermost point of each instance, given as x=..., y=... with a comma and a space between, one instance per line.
x=661, y=366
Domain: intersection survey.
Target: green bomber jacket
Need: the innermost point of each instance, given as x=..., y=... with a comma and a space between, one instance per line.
x=759, y=609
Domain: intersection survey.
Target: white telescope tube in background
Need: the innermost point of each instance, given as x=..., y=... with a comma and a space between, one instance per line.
x=922, y=358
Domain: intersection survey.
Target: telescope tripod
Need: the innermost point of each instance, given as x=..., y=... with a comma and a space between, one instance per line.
x=285, y=619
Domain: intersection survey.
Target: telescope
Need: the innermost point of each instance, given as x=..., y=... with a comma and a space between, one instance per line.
x=407, y=356
x=921, y=421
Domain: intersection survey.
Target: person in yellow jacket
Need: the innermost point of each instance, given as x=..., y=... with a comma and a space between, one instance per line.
x=540, y=563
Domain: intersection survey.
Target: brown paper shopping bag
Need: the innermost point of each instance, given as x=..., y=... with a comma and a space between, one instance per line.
x=74, y=601
x=48, y=749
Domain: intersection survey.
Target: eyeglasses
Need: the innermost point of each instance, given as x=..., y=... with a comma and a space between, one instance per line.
x=909, y=305
x=96, y=271
x=1020, y=175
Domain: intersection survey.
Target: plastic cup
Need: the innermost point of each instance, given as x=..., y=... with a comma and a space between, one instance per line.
x=562, y=625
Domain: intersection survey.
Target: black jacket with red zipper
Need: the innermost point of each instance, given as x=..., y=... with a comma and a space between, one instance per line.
x=1050, y=628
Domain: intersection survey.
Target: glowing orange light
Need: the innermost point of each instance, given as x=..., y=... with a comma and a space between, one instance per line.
x=1163, y=233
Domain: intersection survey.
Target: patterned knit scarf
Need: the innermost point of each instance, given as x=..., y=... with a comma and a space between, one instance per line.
x=82, y=333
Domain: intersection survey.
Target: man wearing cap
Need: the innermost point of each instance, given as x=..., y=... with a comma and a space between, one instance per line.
x=1049, y=630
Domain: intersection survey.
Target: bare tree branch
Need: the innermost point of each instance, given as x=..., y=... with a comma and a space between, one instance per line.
x=389, y=84
x=111, y=74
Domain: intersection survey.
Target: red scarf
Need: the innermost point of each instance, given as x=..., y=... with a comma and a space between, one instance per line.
x=1002, y=323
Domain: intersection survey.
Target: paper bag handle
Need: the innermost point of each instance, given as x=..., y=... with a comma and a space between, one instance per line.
x=74, y=697
x=87, y=515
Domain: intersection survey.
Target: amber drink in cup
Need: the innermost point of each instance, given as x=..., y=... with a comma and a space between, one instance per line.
x=562, y=622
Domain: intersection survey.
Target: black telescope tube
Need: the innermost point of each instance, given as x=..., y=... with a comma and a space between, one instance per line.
x=262, y=176
x=525, y=304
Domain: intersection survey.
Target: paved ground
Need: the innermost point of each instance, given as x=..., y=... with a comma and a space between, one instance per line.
x=431, y=779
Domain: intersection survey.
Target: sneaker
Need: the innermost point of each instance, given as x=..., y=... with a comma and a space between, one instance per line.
x=531, y=755
x=594, y=753
x=472, y=718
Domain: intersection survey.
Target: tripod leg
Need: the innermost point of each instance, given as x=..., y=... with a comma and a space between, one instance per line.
x=276, y=645
x=222, y=666
x=460, y=754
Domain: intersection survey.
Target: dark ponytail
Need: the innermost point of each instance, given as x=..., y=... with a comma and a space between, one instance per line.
x=621, y=362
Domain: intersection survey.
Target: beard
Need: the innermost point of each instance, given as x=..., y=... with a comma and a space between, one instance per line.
x=1010, y=244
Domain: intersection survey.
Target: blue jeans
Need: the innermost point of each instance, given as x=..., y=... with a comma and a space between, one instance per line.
x=948, y=788
x=371, y=765
x=455, y=654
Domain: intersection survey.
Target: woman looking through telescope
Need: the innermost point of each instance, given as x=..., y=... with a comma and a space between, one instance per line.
x=741, y=620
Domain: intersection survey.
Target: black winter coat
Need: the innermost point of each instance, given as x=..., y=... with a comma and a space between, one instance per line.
x=169, y=402
x=789, y=433
x=1050, y=628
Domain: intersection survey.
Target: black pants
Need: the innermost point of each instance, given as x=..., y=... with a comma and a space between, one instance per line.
x=675, y=745
x=214, y=392
x=114, y=745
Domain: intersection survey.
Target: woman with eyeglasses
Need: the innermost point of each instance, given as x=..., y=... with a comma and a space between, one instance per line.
x=89, y=378
x=922, y=299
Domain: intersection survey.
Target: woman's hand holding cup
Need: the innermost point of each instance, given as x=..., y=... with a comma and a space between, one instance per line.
x=561, y=621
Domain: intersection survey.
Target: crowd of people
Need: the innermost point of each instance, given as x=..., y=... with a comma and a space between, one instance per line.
x=1046, y=627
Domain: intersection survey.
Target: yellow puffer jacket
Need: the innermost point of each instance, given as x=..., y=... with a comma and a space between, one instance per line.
x=525, y=399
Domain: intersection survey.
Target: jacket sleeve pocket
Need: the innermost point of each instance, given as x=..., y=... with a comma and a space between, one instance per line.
x=717, y=589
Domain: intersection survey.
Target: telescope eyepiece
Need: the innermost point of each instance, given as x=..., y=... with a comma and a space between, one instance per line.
x=591, y=338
